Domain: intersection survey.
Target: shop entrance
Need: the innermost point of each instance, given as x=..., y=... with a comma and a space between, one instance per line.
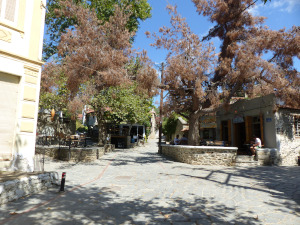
x=239, y=135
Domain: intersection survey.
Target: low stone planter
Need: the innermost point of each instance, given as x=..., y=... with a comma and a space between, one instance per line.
x=14, y=189
x=80, y=154
x=267, y=156
x=51, y=151
x=201, y=155
x=85, y=154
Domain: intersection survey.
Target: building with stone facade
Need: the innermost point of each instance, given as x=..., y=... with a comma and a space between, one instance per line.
x=182, y=127
x=266, y=117
x=21, y=42
x=207, y=128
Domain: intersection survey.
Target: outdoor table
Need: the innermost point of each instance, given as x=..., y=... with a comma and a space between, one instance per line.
x=74, y=140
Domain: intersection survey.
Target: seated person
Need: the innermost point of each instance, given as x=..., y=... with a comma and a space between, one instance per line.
x=256, y=143
x=176, y=140
x=183, y=140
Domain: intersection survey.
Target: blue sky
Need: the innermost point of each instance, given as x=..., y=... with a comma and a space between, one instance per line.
x=279, y=13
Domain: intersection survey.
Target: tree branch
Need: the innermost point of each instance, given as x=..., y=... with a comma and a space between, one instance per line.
x=217, y=27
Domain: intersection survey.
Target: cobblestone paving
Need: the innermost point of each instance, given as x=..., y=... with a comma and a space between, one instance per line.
x=138, y=186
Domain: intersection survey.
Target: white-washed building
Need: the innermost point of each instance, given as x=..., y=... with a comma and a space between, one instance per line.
x=21, y=42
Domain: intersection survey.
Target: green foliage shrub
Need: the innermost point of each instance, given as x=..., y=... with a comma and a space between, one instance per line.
x=80, y=127
x=169, y=125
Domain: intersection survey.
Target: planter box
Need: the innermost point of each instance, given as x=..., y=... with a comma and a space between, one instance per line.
x=201, y=155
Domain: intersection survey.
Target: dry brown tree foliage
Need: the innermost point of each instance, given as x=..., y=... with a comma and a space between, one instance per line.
x=189, y=66
x=253, y=60
x=94, y=55
x=93, y=51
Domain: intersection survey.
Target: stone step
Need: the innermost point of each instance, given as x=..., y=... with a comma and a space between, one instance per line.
x=253, y=163
x=245, y=158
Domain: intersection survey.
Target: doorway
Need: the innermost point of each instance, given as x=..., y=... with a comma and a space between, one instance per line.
x=239, y=135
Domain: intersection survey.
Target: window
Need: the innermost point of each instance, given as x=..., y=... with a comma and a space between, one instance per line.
x=8, y=10
x=297, y=126
x=205, y=134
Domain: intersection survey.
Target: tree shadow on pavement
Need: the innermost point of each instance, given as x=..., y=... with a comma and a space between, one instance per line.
x=280, y=184
x=107, y=206
x=142, y=158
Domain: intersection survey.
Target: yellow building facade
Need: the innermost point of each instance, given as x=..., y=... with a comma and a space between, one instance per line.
x=21, y=43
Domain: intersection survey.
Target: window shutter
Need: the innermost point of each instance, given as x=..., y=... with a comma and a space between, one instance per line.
x=248, y=124
x=221, y=132
x=261, y=118
x=10, y=10
x=229, y=132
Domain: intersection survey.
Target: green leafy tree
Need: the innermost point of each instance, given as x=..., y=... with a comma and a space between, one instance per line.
x=57, y=23
x=122, y=104
x=54, y=93
x=169, y=125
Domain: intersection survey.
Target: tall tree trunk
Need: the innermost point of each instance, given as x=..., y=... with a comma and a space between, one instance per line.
x=194, y=136
x=102, y=129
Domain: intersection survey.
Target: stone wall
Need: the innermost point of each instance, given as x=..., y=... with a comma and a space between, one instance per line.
x=15, y=189
x=86, y=154
x=289, y=150
x=287, y=144
x=51, y=151
x=201, y=155
x=80, y=154
x=268, y=157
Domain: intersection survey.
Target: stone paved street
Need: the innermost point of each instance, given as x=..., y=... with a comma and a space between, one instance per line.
x=137, y=186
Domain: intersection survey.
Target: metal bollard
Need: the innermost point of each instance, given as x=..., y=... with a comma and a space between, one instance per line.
x=63, y=180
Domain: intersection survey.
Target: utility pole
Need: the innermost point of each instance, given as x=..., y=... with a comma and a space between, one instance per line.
x=161, y=107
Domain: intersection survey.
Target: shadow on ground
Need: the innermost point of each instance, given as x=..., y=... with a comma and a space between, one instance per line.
x=281, y=183
x=95, y=205
x=105, y=206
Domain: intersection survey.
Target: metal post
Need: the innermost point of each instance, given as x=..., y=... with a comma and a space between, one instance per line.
x=43, y=159
x=63, y=180
x=161, y=108
x=69, y=153
x=137, y=135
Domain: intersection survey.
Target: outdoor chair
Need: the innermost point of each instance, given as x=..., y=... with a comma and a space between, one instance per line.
x=82, y=140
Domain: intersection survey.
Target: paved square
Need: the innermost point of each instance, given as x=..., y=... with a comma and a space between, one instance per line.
x=138, y=186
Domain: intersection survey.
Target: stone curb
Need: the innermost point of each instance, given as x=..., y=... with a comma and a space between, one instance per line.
x=14, y=189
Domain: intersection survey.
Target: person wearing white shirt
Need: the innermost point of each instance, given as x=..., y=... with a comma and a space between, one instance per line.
x=256, y=145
